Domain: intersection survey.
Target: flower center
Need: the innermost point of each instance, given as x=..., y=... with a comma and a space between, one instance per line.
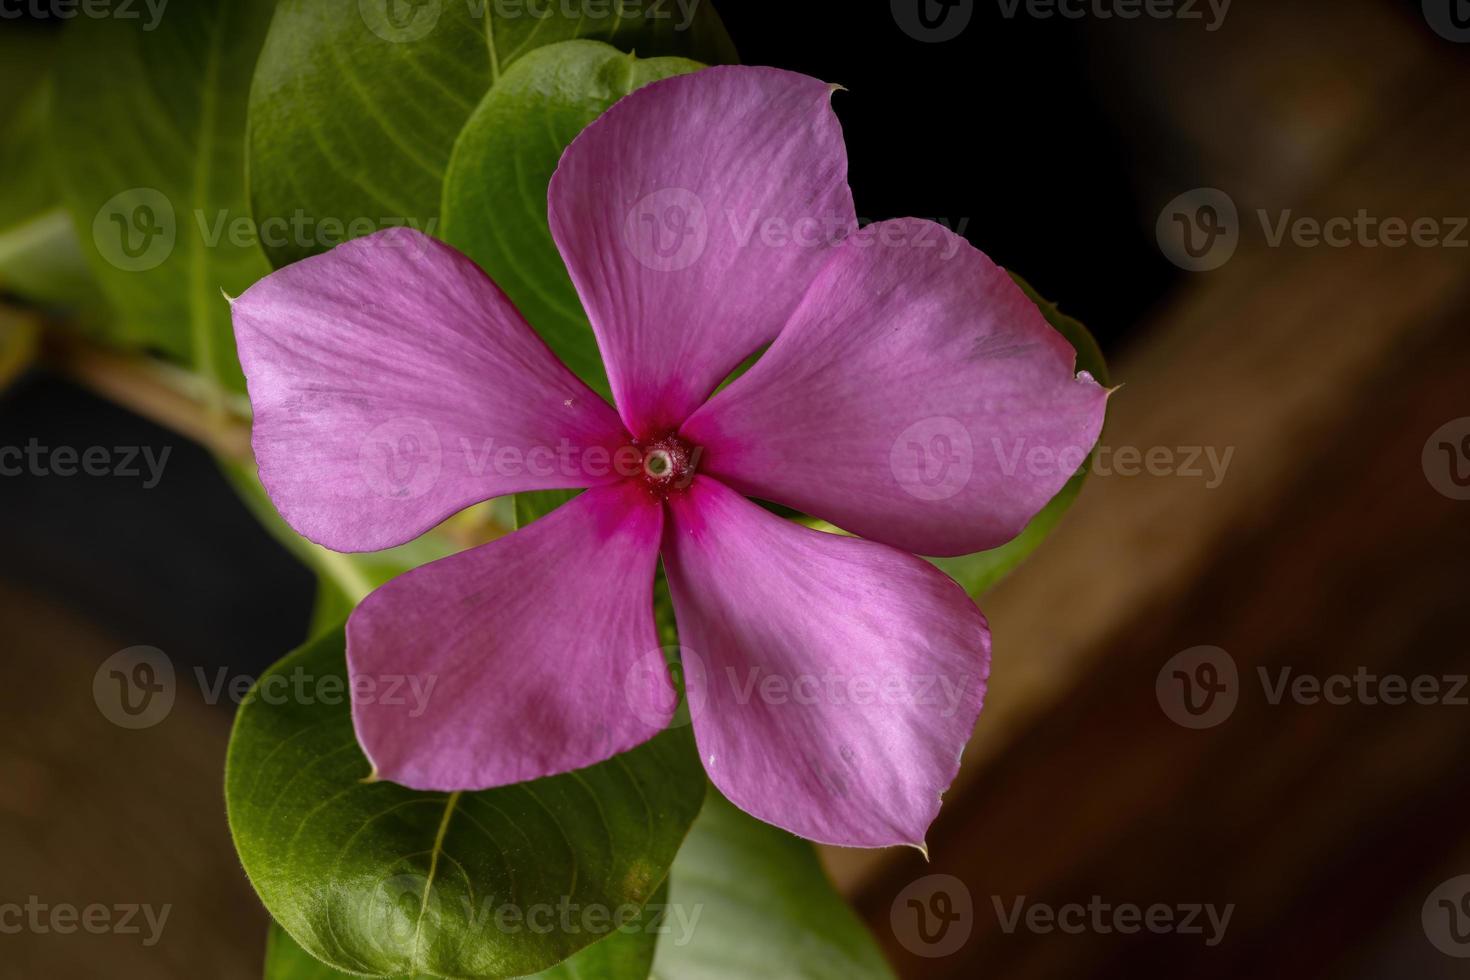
x=668, y=464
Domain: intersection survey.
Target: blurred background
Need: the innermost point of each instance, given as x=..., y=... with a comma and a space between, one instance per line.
x=1285, y=496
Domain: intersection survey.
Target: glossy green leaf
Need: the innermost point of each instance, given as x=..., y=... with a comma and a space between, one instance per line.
x=760, y=906
x=495, y=187
x=148, y=133
x=627, y=954
x=980, y=571
x=355, y=106
x=377, y=879
x=40, y=259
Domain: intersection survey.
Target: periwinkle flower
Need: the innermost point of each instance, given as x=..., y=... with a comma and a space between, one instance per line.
x=702, y=218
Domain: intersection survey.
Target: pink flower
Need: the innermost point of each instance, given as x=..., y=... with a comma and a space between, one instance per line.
x=833, y=680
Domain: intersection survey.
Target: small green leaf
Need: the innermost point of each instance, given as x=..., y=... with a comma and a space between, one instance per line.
x=748, y=900
x=355, y=107
x=495, y=187
x=378, y=879
x=147, y=129
x=627, y=954
x=978, y=572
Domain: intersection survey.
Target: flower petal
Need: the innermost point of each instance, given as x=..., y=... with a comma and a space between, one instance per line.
x=393, y=384
x=832, y=681
x=528, y=647
x=692, y=216
x=917, y=398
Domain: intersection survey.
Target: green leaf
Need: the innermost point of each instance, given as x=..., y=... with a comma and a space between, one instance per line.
x=382, y=880
x=764, y=908
x=40, y=259
x=978, y=572
x=355, y=107
x=148, y=129
x=627, y=954
x=495, y=187
x=534, y=504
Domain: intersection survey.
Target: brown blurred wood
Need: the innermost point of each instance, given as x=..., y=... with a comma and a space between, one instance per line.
x=1267, y=355
x=1315, y=820
x=1326, y=370
x=91, y=813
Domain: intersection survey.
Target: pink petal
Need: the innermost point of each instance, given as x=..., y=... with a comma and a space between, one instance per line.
x=394, y=384
x=832, y=681
x=678, y=213
x=917, y=398
x=530, y=647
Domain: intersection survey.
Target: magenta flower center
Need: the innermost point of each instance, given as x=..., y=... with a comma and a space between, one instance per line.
x=668, y=464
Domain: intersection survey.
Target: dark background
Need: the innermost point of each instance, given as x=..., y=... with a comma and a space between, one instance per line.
x=1057, y=142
